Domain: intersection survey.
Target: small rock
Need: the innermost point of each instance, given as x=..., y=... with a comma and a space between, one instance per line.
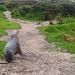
x=38, y=23
x=51, y=23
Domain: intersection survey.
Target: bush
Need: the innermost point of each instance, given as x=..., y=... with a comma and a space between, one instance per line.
x=23, y=10
x=15, y=13
x=3, y=8
x=67, y=9
x=11, y=5
x=39, y=6
x=49, y=9
x=29, y=16
x=46, y=11
x=35, y=16
x=60, y=18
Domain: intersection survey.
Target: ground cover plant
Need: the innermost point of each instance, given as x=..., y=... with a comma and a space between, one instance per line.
x=62, y=34
x=2, y=45
x=2, y=32
x=5, y=24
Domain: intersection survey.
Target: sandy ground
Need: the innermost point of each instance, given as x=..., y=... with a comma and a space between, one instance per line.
x=37, y=60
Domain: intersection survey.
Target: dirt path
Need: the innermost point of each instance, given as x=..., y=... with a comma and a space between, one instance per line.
x=37, y=60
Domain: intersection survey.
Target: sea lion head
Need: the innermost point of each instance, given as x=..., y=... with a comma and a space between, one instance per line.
x=8, y=57
x=15, y=32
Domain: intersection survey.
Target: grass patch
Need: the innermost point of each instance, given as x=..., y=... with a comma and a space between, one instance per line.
x=54, y=33
x=1, y=13
x=2, y=45
x=2, y=32
x=5, y=24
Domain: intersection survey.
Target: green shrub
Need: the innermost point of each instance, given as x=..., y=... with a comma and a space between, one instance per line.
x=29, y=16
x=3, y=8
x=23, y=10
x=50, y=10
x=67, y=8
x=14, y=4
x=45, y=11
x=49, y=17
x=15, y=13
x=1, y=13
x=60, y=18
x=35, y=16
x=11, y=5
x=39, y=6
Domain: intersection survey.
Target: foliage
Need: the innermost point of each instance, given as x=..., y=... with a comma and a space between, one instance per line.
x=2, y=32
x=39, y=6
x=3, y=8
x=2, y=45
x=54, y=33
x=23, y=10
x=15, y=13
x=13, y=4
x=1, y=13
x=67, y=8
x=49, y=11
x=40, y=11
x=5, y=24
x=35, y=16
x=59, y=18
x=60, y=1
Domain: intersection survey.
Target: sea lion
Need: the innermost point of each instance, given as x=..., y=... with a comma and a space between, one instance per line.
x=12, y=47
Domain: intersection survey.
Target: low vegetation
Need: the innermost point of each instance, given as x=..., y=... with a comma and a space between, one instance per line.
x=2, y=32
x=3, y=8
x=5, y=24
x=43, y=11
x=2, y=45
x=13, y=4
x=62, y=34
